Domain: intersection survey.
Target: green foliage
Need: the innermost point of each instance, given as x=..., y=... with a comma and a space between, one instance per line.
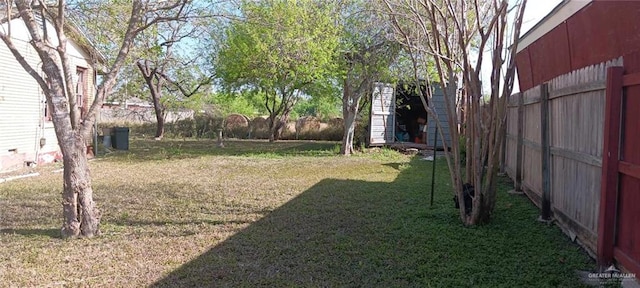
x=282, y=44
x=244, y=102
x=462, y=142
x=368, y=53
x=282, y=49
x=323, y=108
x=174, y=102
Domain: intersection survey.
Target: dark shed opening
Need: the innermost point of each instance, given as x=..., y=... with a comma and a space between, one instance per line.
x=411, y=116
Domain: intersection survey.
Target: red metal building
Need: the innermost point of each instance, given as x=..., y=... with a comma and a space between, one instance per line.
x=577, y=34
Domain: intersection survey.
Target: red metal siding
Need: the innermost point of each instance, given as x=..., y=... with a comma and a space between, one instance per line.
x=593, y=34
x=523, y=64
x=628, y=212
x=628, y=234
x=601, y=31
x=550, y=57
x=618, y=233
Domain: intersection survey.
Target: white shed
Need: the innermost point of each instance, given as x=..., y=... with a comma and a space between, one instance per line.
x=398, y=116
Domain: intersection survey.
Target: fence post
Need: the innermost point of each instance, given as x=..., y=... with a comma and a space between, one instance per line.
x=519, y=143
x=610, y=159
x=546, y=153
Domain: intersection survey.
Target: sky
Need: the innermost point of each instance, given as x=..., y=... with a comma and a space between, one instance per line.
x=533, y=13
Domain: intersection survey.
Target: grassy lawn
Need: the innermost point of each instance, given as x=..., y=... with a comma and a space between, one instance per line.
x=186, y=213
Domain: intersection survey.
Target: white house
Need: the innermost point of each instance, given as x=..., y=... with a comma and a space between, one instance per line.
x=26, y=132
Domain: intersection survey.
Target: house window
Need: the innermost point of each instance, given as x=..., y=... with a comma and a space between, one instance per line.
x=81, y=85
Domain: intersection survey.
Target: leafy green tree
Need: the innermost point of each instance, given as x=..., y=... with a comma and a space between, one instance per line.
x=280, y=49
x=244, y=102
x=323, y=97
x=166, y=62
x=367, y=56
x=320, y=107
x=166, y=71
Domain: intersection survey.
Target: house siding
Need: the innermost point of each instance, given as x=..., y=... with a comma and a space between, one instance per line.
x=22, y=104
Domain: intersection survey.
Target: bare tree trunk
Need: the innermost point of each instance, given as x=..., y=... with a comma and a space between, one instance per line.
x=150, y=74
x=349, y=131
x=349, y=112
x=280, y=124
x=273, y=127
x=157, y=107
x=81, y=216
x=468, y=123
x=220, y=139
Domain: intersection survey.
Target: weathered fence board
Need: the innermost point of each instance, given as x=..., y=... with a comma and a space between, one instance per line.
x=575, y=122
x=511, y=136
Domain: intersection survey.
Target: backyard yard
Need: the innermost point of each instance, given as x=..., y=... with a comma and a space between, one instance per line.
x=182, y=213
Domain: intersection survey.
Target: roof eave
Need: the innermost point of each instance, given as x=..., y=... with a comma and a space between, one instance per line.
x=563, y=11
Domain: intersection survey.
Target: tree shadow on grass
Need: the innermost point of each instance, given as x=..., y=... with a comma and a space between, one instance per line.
x=376, y=234
x=51, y=233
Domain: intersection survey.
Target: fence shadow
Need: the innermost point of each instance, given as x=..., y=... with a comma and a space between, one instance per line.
x=378, y=234
x=338, y=231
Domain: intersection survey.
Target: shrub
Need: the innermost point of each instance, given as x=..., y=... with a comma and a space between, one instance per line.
x=207, y=126
x=259, y=128
x=361, y=133
x=308, y=128
x=185, y=128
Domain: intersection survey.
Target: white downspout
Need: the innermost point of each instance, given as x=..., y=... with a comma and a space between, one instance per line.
x=95, y=123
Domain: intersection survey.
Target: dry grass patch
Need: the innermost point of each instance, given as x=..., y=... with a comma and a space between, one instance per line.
x=163, y=204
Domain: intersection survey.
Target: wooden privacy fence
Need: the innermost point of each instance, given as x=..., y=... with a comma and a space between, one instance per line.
x=554, y=148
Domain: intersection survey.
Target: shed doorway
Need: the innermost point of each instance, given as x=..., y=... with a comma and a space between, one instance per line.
x=411, y=116
x=398, y=117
